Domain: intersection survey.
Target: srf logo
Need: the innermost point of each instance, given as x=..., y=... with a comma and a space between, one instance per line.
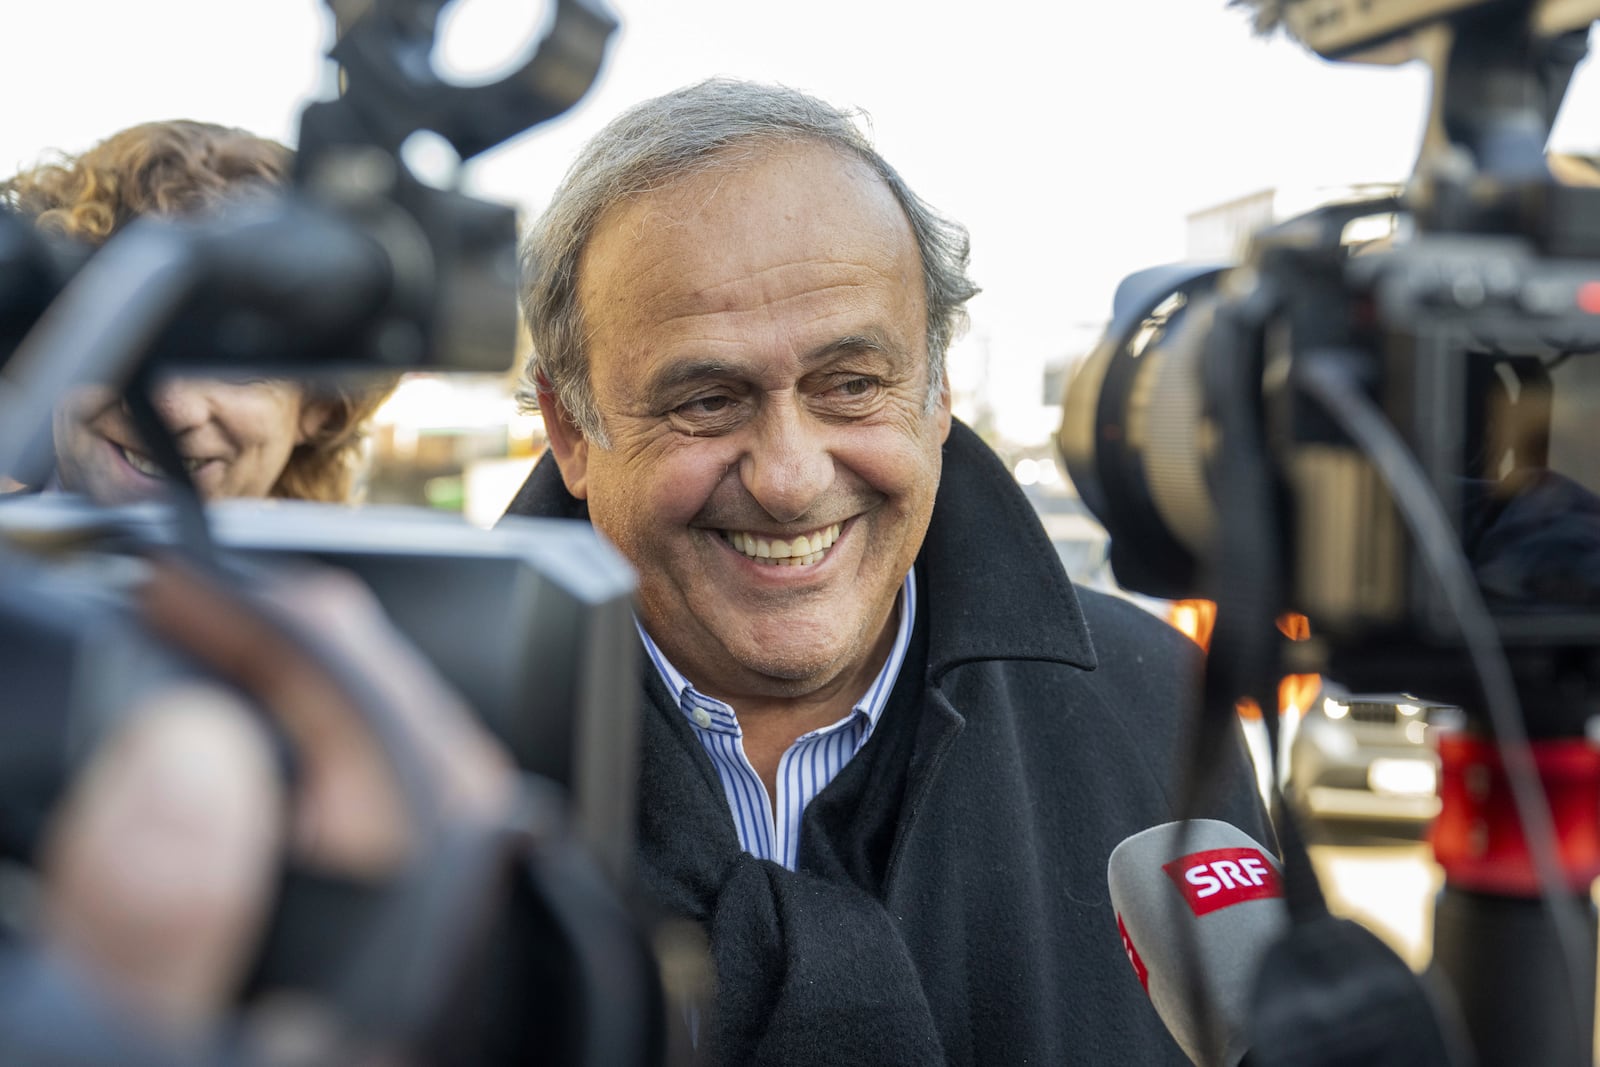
x=1221, y=877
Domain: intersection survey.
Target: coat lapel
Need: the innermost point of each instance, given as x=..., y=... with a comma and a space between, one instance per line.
x=978, y=611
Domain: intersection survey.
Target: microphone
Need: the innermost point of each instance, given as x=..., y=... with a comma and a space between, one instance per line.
x=1198, y=905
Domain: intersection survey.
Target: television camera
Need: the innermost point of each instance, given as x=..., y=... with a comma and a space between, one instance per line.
x=506, y=944
x=1398, y=440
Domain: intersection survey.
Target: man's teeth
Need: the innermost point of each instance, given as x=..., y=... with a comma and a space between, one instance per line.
x=145, y=465
x=799, y=552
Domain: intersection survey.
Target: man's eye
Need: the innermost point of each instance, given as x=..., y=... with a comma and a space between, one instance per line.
x=710, y=414
x=705, y=405
x=855, y=388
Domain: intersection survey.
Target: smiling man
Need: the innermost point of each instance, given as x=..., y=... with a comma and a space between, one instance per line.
x=772, y=433
x=880, y=764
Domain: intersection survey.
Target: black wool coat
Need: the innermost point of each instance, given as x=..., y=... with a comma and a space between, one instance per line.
x=950, y=904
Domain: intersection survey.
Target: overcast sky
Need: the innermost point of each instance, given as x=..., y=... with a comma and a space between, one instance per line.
x=1071, y=138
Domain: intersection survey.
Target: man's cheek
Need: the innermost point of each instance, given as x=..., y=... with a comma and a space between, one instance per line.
x=680, y=491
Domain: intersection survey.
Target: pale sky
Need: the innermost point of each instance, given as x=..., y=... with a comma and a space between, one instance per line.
x=1072, y=139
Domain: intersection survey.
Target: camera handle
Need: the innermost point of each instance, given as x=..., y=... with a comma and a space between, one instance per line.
x=1498, y=84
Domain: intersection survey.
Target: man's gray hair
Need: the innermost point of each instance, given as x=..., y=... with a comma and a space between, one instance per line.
x=661, y=141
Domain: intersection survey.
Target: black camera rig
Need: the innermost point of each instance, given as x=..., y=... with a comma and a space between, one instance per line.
x=1399, y=440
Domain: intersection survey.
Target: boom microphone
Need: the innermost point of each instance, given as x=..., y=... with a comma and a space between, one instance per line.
x=1198, y=905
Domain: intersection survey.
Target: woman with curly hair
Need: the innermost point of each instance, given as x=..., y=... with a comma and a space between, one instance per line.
x=239, y=438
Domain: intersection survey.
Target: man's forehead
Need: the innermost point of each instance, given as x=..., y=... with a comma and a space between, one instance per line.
x=790, y=224
x=806, y=189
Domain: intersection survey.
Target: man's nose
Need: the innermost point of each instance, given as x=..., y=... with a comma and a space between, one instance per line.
x=182, y=404
x=788, y=466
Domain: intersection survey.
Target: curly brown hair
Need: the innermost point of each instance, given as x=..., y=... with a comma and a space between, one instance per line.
x=183, y=168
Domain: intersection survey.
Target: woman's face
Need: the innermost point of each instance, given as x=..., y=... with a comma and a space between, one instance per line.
x=235, y=436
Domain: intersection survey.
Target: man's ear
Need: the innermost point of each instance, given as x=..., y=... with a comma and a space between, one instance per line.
x=567, y=443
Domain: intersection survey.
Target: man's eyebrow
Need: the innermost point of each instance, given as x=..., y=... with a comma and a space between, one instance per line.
x=851, y=343
x=692, y=371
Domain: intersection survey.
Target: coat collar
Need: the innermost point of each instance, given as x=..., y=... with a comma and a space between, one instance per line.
x=544, y=496
x=996, y=588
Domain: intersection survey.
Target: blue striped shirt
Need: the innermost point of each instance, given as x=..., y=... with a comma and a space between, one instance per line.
x=809, y=764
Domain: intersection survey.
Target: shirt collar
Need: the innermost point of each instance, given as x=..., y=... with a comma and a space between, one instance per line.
x=870, y=705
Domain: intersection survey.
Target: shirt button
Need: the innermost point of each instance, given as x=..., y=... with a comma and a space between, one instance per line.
x=702, y=717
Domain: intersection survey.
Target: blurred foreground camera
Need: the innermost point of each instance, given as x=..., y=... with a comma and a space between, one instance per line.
x=1400, y=440
x=493, y=941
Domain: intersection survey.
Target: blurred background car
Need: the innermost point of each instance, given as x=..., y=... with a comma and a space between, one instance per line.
x=1366, y=758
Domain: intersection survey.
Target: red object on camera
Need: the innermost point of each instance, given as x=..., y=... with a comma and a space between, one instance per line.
x=1478, y=838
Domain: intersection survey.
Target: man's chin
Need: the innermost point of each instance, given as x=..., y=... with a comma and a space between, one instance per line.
x=791, y=672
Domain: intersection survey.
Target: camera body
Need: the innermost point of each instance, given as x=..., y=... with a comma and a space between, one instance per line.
x=1480, y=353
x=531, y=622
x=1474, y=329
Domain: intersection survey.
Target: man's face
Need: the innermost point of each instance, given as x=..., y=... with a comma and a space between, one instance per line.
x=236, y=437
x=758, y=349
